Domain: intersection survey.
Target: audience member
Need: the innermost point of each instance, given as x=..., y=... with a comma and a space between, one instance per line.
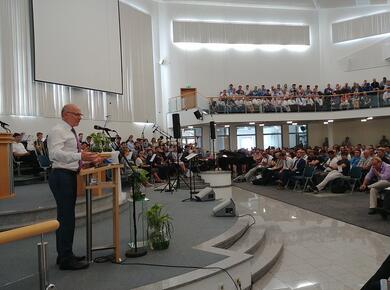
x=381, y=172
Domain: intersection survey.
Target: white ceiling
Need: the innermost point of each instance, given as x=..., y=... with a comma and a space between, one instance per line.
x=289, y=4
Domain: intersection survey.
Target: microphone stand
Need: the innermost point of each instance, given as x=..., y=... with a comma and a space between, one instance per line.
x=136, y=251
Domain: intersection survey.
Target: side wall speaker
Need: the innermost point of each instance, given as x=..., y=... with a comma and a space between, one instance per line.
x=198, y=115
x=212, y=130
x=225, y=209
x=206, y=194
x=176, y=126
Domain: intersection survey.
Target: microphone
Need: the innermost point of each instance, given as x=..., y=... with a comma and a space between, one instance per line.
x=96, y=127
x=2, y=124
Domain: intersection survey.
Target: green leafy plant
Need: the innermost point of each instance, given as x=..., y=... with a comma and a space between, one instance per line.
x=160, y=227
x=138, y=177
x=101, y=143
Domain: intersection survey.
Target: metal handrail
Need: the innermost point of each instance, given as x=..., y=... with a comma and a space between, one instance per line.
x=38, y=229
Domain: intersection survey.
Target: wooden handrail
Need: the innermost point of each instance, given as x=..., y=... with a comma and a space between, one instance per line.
x=28, y=231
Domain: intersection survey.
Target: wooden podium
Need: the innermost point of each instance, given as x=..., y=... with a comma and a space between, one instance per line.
x=86, y=175
x=6, y=168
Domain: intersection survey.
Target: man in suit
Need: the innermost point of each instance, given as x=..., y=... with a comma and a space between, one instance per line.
x=296, y=169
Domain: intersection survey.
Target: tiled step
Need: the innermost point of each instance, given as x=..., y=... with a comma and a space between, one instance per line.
x=265, y=258
x=250, y=241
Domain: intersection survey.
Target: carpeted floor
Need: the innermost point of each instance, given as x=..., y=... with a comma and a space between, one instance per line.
x=193, y=224
x=348, y=208
x=28, y=197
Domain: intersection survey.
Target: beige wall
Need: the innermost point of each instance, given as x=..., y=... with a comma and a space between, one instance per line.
x=369, y=132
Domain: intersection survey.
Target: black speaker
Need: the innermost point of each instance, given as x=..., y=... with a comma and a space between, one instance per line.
x=198, y=114
x=176, y=126
x=212, y=130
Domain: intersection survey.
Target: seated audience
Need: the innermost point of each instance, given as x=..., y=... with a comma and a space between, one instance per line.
x=21, y=154
x=343, y=167
x=39, y=145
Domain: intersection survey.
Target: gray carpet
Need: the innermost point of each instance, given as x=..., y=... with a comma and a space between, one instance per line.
x=193, y=224
x=29, y=197
x=348, y=208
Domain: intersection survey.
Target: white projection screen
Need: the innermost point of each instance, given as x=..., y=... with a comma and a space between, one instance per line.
x=77, y=43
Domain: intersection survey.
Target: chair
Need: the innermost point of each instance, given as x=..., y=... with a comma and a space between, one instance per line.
x=355, y=176
x=45, y=163
x=18, y=165
x=307, y=176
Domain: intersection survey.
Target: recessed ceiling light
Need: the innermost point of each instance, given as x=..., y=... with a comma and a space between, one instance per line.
x=325, y=123
x=261, y=125
x=294, y=124
x=289, y=122
x=370, y=118
x=190, y=127
x=251, y=123
x=227, y=126
x=363, y=120
x=330, y=121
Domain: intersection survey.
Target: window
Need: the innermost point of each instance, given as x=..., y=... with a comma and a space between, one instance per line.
x=272, y=136
x=246, y=137
x=223, y=139
x=297, y=135
x=191, y=136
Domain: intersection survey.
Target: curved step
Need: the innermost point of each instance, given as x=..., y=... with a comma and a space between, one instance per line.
x=250, y=241
x=14, y=219
x=265, y=258
x=217, y=245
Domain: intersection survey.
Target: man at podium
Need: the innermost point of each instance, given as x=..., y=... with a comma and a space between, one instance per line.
x=66, y=155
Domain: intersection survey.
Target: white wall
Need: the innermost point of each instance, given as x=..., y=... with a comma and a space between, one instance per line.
x=210, y=71
x=331, y=70
x=32, y=125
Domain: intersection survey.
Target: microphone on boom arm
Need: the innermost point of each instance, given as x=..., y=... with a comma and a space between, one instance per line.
x=97, y=127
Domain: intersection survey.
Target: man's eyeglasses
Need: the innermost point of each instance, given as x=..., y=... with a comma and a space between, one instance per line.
x=76, y=114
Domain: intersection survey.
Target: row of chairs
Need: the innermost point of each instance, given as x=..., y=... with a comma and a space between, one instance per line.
x=43, y=161
x=306, y=178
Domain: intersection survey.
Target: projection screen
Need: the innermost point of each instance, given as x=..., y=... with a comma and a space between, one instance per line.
x=77, y=43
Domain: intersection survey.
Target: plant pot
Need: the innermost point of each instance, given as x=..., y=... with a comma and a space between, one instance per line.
x=159, y=245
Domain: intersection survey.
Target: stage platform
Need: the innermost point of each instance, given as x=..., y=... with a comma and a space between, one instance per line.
x=193, y=224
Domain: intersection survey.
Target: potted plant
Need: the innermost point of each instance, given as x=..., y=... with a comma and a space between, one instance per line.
x=101, y=143
x=160, y=227
x=137, y=178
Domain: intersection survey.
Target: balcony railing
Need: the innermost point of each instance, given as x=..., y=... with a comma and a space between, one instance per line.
x=309, y=103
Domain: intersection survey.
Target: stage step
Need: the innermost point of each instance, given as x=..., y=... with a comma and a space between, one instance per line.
x=14, y=219
x=250, y=241
x=263, y=244
x=265, y=257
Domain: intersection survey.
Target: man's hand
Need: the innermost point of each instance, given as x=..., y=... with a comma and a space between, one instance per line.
x=363, y=187
x=88, y=156
x=376, y=172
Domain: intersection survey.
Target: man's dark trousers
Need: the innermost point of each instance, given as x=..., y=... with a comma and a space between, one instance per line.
x=63, y=184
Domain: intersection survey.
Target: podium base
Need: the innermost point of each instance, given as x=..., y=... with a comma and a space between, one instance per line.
x=135, y=253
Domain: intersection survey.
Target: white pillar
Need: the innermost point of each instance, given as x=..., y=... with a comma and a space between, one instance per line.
x=330, y=134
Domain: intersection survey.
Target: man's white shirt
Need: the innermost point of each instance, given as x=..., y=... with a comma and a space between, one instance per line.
x=62, y=147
